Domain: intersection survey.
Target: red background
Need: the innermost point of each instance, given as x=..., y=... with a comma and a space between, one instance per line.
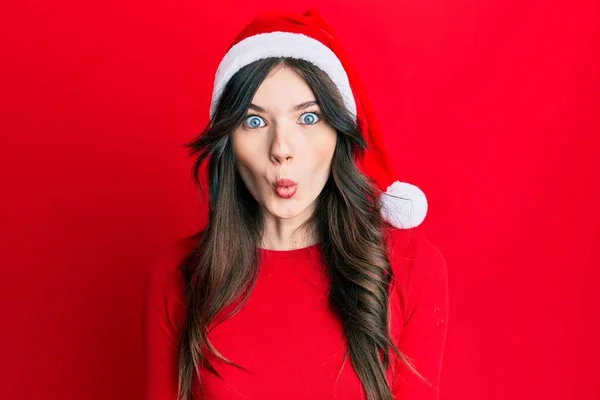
x=490, y=106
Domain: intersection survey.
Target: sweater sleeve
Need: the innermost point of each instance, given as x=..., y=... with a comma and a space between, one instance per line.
x=424, y=328
x=163, y=315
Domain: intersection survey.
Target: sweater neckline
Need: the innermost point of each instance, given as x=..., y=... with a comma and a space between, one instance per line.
x=294, y=253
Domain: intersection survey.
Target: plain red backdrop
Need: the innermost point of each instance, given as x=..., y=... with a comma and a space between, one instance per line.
x=492, y=107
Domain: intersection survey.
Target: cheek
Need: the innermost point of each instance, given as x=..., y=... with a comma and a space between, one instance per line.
x=243, y=151
x=321, y=153
x=248, y=164
x=251, y=179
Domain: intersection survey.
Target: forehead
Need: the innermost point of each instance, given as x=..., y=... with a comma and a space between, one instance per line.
x=282, y=88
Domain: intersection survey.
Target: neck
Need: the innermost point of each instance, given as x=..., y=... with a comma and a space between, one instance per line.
x=288, y=233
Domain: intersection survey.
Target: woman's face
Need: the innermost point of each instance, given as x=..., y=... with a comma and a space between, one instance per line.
x=284, y=137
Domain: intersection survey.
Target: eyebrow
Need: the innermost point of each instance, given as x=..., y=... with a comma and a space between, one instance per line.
x=297, y=107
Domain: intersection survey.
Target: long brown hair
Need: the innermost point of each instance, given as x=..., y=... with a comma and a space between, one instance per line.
x=223, y=267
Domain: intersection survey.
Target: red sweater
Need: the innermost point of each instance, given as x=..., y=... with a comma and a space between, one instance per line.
x=287, y=336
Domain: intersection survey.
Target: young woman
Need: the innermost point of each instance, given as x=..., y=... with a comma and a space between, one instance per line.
x=309, y=281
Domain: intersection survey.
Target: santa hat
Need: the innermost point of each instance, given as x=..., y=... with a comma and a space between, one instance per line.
x=309, y=37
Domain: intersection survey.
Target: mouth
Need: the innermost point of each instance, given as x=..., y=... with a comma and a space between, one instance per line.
x=285, y=188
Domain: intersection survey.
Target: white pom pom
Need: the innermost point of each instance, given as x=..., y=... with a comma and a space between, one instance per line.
x=404, y=205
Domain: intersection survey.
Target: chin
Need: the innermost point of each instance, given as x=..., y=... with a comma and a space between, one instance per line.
x=286, y=211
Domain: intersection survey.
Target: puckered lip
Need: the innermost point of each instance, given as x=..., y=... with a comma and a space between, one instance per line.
x=285, y=182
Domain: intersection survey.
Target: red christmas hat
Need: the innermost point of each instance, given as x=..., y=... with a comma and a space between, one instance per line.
x=309, y=37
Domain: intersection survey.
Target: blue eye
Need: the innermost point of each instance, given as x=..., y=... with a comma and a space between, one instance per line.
x=310, y=118
x=254, y=121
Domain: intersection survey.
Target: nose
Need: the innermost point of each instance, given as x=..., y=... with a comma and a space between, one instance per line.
x=281, y=149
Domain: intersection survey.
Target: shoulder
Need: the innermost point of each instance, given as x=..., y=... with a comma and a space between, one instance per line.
x=164, y=297
x=164, y=270
x=417, y=264
x=409, y=248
